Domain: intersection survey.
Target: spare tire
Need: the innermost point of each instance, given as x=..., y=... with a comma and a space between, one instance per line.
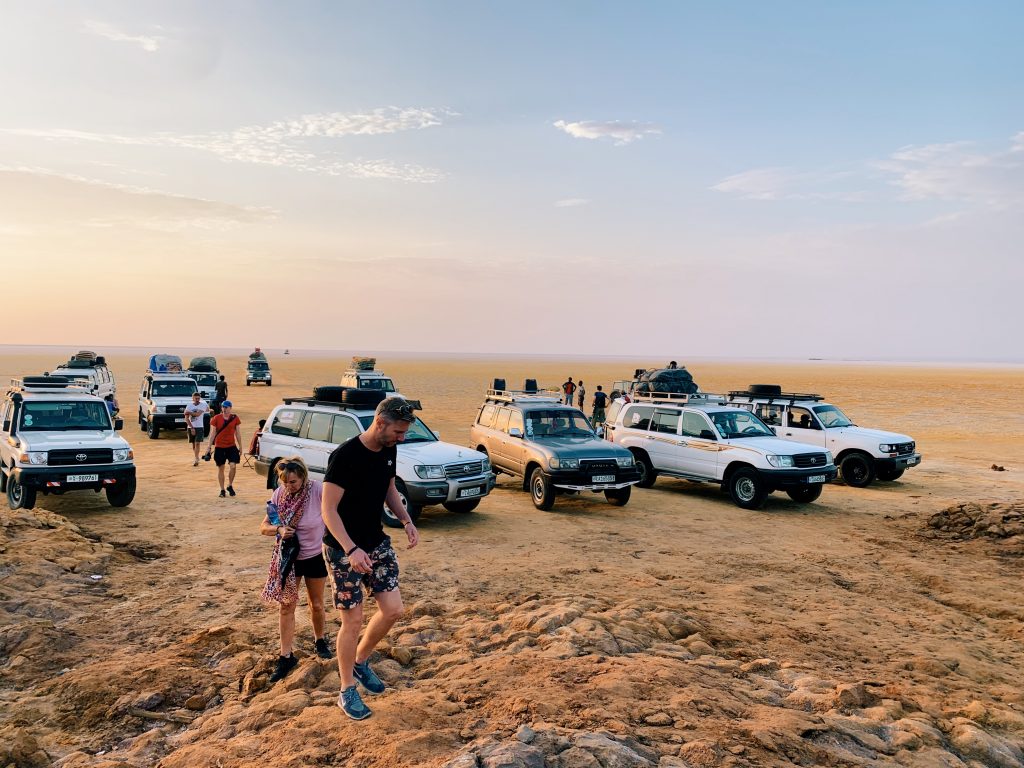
x=499, y=384
x=765, y=389
x=368, y=397
x=530, y=385
x=329, y=393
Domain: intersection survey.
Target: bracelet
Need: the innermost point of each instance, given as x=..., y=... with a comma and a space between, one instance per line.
x=349, y=553
x=407, y=523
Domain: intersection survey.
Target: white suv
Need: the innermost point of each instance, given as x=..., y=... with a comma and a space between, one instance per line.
x=700, y=437
x=87, y=365
x=861, y=454
x=55, y=437
x=429, y=471
x=363, y=376
x=162, y=401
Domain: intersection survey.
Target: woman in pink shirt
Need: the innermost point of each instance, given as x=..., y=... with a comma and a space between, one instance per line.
x=297, y=501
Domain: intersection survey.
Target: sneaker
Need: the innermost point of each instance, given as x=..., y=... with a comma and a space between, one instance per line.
x=367, y=678
x=195, y=463
x=351, y=704
x=322, y=649
x=223, y=495
x=231, y=491
x=285, y=664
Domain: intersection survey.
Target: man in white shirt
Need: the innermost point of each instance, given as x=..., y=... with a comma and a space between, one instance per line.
x=195, y=413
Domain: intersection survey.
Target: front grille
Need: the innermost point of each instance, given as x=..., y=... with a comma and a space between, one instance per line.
x=598, y=466
x=808, y=460
x=71, y=457
x=904, y=449
x=453, y=471
x=175, y=409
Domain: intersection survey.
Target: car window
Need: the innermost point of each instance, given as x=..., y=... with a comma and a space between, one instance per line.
x=801, y=418
x=501, y=423
x=639, y=417
x=613, y=411
x=516, y=421
x=5, y=416
x=666, y=421
x=318, y=427
x=487, y=415
x=694, y=424
x=287, y=422
x=344, y=429
x=770, y=414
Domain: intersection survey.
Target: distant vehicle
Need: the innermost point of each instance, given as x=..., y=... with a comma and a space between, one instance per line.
x=163, y=395
x=203, y=370
x=429, y=471
x=362, y=375
x=55, y=437
x=862, y=454
x=551, y=447
x=89, y=365
x=257, y=369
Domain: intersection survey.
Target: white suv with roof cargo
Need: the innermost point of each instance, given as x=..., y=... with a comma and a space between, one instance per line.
x=429, y=471
x=861, y=454
x=90, y=366
x=162, y=401
x=702, y=438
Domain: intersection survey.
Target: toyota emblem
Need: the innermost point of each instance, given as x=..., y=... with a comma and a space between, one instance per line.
x=81, y=456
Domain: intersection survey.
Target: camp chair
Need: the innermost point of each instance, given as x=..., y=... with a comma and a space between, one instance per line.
x=254, y=445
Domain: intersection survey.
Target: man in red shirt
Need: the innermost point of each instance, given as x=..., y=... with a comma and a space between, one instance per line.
x=226, y=444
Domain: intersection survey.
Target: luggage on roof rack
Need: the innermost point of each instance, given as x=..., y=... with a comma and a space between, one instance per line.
x=203, y=363
x=165, y=364
x=675, y=380
x=84, y=354
x=364, y=363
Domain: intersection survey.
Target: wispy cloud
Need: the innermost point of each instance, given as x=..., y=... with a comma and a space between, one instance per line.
x=295, y=143
x=619, y=132
x=789, y=184
x=571, y=202
x=150, y=43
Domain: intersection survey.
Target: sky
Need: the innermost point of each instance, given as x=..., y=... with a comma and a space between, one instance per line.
x=840, y=180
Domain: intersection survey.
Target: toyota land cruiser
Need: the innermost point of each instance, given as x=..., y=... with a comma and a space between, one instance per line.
x=162, y=401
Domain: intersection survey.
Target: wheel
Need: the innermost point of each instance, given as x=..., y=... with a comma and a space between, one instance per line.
x=152, y=429
x=367, y=397
x=617, y=497
x=765, y=389
x=541, y=490
x=121, y=494
x=747, y=489
x=270, y=383
x=248, y=383
x=805, y=494
x=206, y=425
x=389, y=518
x=648, y=474
x=142, y=422
x=858, y=470
x=890, y=473
x=462, y=507
x=18, y=496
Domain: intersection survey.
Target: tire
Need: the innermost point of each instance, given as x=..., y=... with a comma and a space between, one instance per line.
x=857, y=469
x=152, y=430
x=367, y=397
x=248, y=383
x=618, y=497
x=747, y=489
x=805, y=494
x=206, y=425
x=462, y=507
x=270, y=383
x=18, y=496
x=765, y=389
x=329, y=393
x=885, y=473
x=142, y=421
x=389, y=519
x=648, y=474
x=121, y=495
x=541, y=490
x=272, y=477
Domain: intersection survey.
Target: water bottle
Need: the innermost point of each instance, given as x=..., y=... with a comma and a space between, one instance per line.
x=272, y=515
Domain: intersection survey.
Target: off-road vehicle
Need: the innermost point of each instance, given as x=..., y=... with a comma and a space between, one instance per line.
x=429, y=471
x=551, y=447
x=362, y=375
x=702, y=438
x=162, y=400
x=90, y=366
x=203, y=370
x=55, y=437
x=257, y=370
x=861, y=454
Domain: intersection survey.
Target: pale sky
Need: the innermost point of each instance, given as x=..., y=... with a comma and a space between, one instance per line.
x=748, y=179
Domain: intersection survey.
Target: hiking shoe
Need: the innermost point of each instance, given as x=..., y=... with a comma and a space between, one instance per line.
x=223, y=495
x=285, y=664
x=367, y=678
x=351, y=704
x=231, y=491
x=322, y=649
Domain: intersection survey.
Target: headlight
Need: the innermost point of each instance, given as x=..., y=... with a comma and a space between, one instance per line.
x=158, y=409
x=780, y=461
x=122, y=454
x=556, y=463
x=430, y=471
x=485, y=465
x=624, y=461
x=36, y=457
x=887, y=448
x=828, y=457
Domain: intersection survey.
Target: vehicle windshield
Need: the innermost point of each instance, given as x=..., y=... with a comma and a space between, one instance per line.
x=53, y=416
x=204, y=379
x=381, y=385
x=560, y=422
x=418, y=432
x=832, y=417
x=740, y=423
x=173, y=388
x=258, y=365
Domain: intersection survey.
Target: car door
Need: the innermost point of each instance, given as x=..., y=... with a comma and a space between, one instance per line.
x=498, y=439
x=802, y=426
x=281, y=437
x=314, y=442
x=515, y=447
x=698, y=454
x=663, y=439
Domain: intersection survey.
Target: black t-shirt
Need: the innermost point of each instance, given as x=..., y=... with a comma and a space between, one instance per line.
x=365, y=476
x=600, y=398
x=222, y=390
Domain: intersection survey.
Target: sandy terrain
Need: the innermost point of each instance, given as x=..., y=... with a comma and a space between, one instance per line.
x=679, y=630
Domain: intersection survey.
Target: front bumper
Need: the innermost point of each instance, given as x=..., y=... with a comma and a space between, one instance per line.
x=786, y=478
x=584, y=481
x=169, y=420
x=55, y=479
x=424, y=492
x=899, y=462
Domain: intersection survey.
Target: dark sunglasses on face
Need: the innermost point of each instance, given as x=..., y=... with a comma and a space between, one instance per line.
x=290, y=466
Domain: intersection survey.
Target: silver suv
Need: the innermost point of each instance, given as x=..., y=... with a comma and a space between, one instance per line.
x=551, y=447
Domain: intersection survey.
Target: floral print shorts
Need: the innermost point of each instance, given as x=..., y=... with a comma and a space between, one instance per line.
x=348, y=584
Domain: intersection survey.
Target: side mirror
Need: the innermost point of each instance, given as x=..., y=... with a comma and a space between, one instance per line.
x=599, y=431
x=775, y=430
x=707, y=434
x=118, y=424
x=515, y=432
x=436, y=434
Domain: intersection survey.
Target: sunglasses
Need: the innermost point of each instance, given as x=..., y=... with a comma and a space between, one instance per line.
x=402, y=411
x=289, y=466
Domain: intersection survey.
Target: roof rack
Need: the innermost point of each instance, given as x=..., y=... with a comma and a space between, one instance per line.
x=514, y=395
x=781, y=397
x=676, y=397
x=326, y=403
x=47, y=383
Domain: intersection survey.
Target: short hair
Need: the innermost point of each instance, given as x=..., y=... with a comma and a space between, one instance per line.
x=293, y=464
x=393, y=409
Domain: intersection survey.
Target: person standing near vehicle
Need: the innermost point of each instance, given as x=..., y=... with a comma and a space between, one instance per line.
x=568, y=389
x=220, y=393
x=600, y=402
x=581, y=394
x=195, y=419
x=226, y=444
x=360, y=478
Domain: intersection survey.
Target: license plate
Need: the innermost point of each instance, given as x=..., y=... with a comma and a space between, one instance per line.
x=912, y=462
x=469, y=492
x=604, y=478
x=83, y=478
x=179, y=421
x=816, y=479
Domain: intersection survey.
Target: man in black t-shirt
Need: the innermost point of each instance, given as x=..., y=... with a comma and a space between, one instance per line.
x=600, y=401
x=360, y=478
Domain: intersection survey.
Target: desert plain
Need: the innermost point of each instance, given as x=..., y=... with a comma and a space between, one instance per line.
x=875, y=627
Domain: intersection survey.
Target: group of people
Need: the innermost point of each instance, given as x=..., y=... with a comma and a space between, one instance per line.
x=225, y=440
x=577, y=389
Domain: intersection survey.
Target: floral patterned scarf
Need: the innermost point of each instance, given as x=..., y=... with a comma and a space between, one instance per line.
x=286, y=590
